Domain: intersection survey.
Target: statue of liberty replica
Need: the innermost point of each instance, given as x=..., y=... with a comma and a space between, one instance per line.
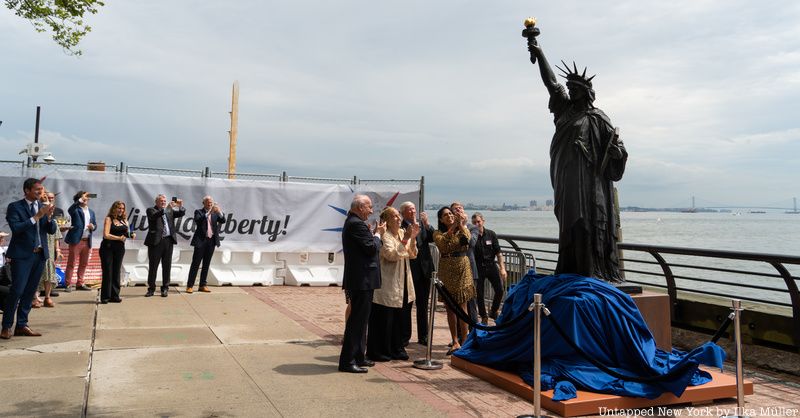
x=586, y=157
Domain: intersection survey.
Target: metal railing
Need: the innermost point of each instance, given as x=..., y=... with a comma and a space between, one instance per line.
x=206, y=172
x=767, y=279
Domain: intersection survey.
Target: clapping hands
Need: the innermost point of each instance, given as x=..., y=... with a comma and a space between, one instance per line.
x=380, y=228
x=413, y=231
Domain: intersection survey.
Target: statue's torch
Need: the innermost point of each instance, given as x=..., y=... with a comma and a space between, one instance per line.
x=531, y=32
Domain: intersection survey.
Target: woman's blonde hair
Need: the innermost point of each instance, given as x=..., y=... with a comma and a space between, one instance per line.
x=387, y=212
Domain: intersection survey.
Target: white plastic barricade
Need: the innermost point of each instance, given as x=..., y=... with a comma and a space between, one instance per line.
x=313, y=269
x=242, y=268
x=136, y=265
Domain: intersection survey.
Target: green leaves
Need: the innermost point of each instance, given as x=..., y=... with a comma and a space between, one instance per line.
x=63, y=18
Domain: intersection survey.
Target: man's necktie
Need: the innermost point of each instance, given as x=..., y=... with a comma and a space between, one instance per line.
x=38, y=237
x=165, y=233
x=209, y=232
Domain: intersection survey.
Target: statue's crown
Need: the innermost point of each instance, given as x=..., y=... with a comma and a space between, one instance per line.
x=574, y=76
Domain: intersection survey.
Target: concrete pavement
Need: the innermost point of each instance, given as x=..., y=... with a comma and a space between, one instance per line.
x=261, y=351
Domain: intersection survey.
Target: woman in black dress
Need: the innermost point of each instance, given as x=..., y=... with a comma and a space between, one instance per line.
x=112, y=249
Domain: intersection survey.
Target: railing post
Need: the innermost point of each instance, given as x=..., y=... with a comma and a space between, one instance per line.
x=737, y=344
x=421, y=194
x=794, y=296
x=537, y=307
x=670, y=279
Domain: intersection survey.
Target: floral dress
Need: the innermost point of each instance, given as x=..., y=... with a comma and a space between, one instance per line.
x=49, y=271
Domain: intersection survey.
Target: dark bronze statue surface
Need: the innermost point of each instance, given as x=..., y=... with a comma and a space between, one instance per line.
x=586, y=157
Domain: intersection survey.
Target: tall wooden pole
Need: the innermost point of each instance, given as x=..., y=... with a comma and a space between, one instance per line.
x=234, y=130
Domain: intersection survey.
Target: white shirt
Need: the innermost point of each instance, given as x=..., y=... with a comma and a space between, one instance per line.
x=88, y=218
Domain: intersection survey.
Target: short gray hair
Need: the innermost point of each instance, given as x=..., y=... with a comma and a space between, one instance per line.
x=159, y=195
x=207, y=197
x=406, y=205
x=358, y=201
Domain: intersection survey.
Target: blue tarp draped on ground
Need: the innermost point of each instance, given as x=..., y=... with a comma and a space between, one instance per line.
x=604, y=322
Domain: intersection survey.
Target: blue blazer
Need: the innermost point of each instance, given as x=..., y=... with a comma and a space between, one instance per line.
x=78, y=224
x=23, y=237
x=362, y=269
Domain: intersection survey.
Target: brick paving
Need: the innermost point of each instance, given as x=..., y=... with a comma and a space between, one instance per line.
x=455, y=393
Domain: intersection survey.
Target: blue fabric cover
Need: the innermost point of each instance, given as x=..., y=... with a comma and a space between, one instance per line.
x=604, y=322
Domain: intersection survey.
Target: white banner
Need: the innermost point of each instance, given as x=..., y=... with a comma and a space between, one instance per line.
x=264, y=215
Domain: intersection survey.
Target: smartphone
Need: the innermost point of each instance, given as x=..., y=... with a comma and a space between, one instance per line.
x=174, y=198
x=92, y=195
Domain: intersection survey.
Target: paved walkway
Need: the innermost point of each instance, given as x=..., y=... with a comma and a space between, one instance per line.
x=262, y=351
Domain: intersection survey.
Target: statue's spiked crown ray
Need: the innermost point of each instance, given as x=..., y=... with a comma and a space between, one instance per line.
x=573, y=76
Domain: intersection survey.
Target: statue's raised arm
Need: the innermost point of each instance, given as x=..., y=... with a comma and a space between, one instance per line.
x=548, y=77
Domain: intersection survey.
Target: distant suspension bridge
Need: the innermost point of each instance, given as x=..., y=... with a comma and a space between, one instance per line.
x=714, y=205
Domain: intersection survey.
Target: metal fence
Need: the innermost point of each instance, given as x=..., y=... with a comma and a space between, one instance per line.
x=208, y=173
x=768, y=280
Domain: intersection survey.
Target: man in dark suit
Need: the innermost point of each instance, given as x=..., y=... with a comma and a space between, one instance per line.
x=30, y=222
x=79, y=238
x=160, y=239
x=421, y=269
x=206, y=238
x=362, y=275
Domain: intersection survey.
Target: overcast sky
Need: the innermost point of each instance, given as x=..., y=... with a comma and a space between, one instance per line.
x=706, y=93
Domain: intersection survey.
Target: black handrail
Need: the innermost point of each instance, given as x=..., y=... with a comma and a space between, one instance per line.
x=776, y=261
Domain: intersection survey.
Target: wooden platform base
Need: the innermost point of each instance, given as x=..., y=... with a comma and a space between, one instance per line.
x=589, y=403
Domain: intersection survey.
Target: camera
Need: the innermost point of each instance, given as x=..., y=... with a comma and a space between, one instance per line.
x=174, y=198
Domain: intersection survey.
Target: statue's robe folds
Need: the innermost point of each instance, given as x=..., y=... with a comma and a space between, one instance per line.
x=583, y=164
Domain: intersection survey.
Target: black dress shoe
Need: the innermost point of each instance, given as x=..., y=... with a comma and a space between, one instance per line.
x=149, y=293
x=423, y=342
x=164, y=293
x=401, y=355
x=366, y=363
x=104, y=302
x=117, y=300
x=380, y=358
x=352, y=369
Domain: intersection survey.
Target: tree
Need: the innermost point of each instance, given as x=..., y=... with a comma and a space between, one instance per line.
x=64, y=18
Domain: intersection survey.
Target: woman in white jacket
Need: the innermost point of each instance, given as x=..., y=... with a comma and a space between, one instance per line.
x=385, y=336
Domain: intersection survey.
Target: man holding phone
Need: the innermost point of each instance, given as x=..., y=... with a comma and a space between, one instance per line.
x=160, y=240
x=205, y=240
x=79, y=238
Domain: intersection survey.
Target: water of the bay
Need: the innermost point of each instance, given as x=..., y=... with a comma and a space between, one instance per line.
x=775, y=233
